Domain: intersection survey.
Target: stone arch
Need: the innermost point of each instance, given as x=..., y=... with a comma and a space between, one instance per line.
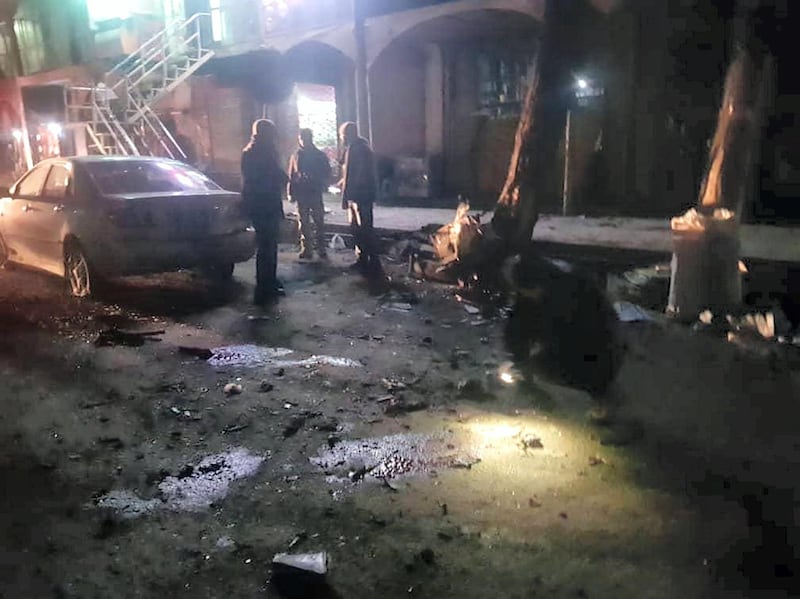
x=425, y=91
x=314, y=61
x=383, y=32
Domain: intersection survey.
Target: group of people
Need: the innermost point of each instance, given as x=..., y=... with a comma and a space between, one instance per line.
x=308, y=177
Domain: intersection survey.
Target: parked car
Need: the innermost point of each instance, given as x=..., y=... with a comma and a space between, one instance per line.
x=93, y=217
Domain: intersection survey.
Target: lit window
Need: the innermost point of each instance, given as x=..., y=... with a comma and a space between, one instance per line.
x=217, y=24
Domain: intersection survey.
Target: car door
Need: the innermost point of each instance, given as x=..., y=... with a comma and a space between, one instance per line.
x=16, y=213
x=51, y=222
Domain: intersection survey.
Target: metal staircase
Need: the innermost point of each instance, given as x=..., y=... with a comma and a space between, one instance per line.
x=117, y=114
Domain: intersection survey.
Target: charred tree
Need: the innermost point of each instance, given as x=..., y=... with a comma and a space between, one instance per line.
x=535, y=169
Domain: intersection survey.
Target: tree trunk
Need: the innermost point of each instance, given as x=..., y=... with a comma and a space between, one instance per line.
x=534, y=169
x=734, y=156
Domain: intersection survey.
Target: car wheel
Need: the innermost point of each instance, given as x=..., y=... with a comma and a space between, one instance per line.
x=220, y=272
x=77, y=272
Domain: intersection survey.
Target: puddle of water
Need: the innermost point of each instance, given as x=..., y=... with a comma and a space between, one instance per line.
x=395, y=456
x=251, y=356
x=207, y=482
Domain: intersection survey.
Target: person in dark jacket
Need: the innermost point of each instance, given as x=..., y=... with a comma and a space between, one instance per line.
x=264, y=182
x=359, y=188
x=309, y=176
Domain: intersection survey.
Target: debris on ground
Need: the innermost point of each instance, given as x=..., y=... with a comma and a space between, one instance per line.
x=647, y=287
x=596, y=460
x=768, y=325
x=252, y=356
x=470, y=309
x=399, y=405
x=337, y=243
x=265, y=387
x=530, y=441
x=232, y=389
x=294, y=426
x=327, y=425
x=194, y=489
x=235, y=428
x=398, y=306
x=225, y=544
x=628, y=312
x=116, y=337
x=300, y=575
x=458, y=239
x=392, y=384
x=394, y=456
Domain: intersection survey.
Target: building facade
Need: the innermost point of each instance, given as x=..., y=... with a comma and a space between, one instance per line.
x=445, y=82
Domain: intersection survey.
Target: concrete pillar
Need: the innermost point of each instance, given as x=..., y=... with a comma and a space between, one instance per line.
x=434, y=101
x=362, y=69
x=435, y=82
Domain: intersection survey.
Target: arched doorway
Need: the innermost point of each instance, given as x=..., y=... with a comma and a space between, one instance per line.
x=446, y=94
x=322, y=96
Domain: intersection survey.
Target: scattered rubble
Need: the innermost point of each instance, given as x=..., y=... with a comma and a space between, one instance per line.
x=232, y=389
x=194, y=489
x=392, y=384
x=394, y=456
x=530, y=441
x=300, y=575
x=252, y=356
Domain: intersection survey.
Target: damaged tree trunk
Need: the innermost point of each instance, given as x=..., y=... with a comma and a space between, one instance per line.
x=534, y=170
x=734, y=155
x=706, y=245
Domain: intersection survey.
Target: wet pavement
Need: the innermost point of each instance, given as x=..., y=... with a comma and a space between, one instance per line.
x=379, y=436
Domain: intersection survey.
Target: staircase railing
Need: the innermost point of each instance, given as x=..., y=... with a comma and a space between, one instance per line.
x=159, y=56
x=169, y=57
x=158, y=42
x=150, y=121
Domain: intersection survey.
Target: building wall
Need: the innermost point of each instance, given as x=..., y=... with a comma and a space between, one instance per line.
x=397, y=92
x=220, y=125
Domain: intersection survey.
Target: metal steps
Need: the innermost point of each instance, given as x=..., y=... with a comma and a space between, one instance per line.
x=118, y=113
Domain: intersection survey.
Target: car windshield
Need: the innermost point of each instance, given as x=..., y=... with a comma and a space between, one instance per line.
x=147, y=176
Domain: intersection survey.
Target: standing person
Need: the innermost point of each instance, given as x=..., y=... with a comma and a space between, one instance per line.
x=264, y=182
x=359, y=188
x=309, y=176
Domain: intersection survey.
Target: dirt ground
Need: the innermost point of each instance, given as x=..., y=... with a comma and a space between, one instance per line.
x=508, y=493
